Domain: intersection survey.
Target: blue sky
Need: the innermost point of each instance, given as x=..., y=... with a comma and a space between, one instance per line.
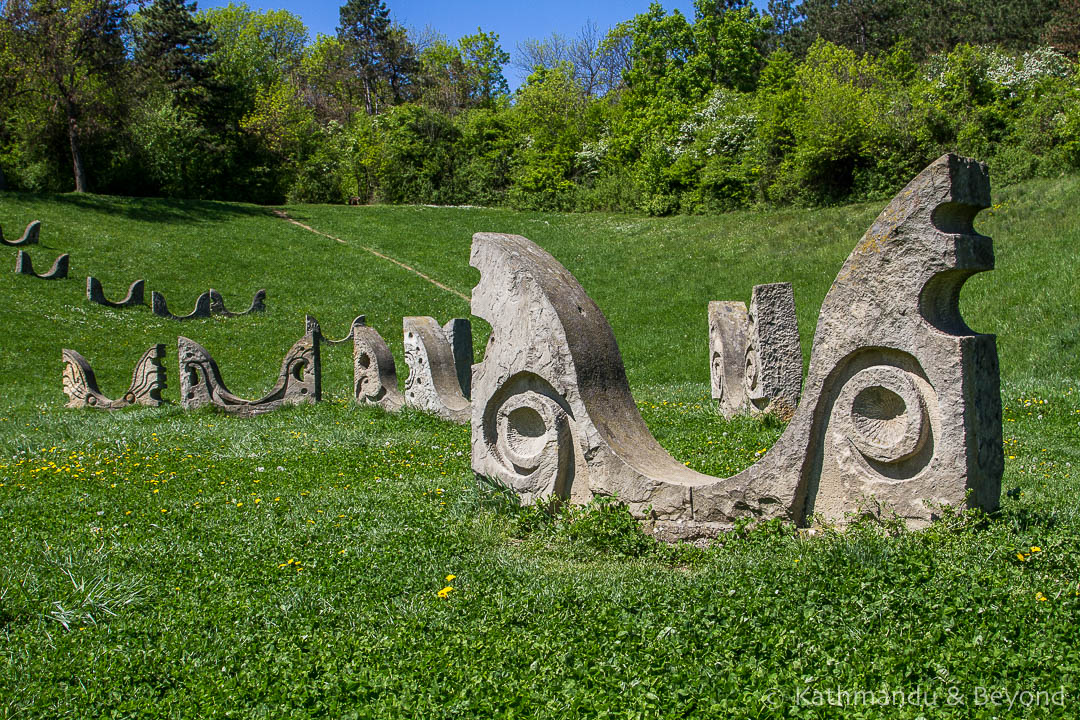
x=513, y=20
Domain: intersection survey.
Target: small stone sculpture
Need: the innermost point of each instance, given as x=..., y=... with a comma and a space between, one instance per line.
x=755, y=357
x=900, y=413
x=147, y=382
x=217, y=304
x=29, y=236
x=433, y=385
x=96, y=294
x=160, y=308
x=300, y=380
x=375, y=380
x=312, y=327
x=58, y=271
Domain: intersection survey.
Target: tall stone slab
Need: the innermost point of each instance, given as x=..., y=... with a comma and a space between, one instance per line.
x=900, y=413
x=375, y=380
x=728, y=323
x=432, y=385
x=773, y=375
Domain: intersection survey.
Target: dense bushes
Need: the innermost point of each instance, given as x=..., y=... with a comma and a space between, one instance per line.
x=704, y=114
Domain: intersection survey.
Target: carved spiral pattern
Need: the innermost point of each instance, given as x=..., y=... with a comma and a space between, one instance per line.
x=533, y=441
x=882, y=411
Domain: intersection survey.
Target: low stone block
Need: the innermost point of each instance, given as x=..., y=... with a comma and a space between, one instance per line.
x=58, y=271
x=147, y=382
x=300, y=380
x=29, y=236
x=96, y=294
x=161, y=308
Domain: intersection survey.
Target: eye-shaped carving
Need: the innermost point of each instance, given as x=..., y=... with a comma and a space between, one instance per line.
x=532, y=438
x=882, y=411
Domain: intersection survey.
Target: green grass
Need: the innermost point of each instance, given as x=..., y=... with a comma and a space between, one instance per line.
x=147, y=571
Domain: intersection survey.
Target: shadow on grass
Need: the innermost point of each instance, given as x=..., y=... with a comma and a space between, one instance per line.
x=158, y=210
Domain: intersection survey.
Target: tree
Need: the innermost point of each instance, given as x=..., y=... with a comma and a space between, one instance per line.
x=69, y=56
x=483, y=61
x=376, y=50
x=172, y=46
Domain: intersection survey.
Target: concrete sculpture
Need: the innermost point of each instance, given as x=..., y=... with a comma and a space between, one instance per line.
x=147, y=382
x=433, y=385
x=217, y=304
x=755, y=357
x=312, y=327
x=58, y=271
x=96, y=294
x=728, y=322
x=900, y=413
x=300, y=380
x=29, y=236
x=161, y=308
x=375, y=380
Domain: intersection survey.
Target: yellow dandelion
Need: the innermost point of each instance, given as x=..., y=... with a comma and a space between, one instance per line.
x=1020, y=557
x=1036, y=548
x=450, y=577
x=445, y=592
x=1040, y=597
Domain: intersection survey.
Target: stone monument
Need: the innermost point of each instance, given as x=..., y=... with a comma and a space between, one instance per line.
x=147, y=382
x=900, y=413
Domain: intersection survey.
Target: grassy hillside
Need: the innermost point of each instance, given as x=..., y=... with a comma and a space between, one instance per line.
x=162, y=563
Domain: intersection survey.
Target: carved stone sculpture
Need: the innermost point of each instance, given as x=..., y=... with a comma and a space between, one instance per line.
x=900, y=413
x=161, y=308
x=375, y=380
x=432, y=385
x=773, y=356
x=459, y=335
x=29, y=236
x=58, y=271
x=728, y=323
x=312, y=327
x=147, y=382
x=217, y=304
x=300, y=380
x=755, y=357
x=96, y=294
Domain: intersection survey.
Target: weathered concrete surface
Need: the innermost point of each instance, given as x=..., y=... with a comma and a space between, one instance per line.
x=312, y=327
x=459, y=335
x=773, y=375
x=728, y=323
x=217, y=304
x=432, y=385
x=29, y=236
x=900, y=413
x=375, y=380
x=300, y=380
x=58, y=271
x=96, y=294
x=161, y=308
x=147, y=382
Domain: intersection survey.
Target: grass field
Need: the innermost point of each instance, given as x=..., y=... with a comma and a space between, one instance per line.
x=167, y=564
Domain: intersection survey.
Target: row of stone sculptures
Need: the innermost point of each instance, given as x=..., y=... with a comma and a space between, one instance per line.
x=900, y=413
x=207, y=304
x=439, y=360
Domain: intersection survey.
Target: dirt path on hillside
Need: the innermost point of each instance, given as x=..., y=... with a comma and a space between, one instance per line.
x=285, y=216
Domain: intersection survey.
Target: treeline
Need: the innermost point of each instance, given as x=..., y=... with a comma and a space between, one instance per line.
x=809, y=102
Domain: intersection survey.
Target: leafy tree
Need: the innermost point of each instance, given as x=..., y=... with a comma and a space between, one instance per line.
x=483, y=61
x=69, y=56
x=379, y=52
x=172, y=46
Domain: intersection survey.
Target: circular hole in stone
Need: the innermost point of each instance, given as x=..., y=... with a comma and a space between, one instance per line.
x=364, y=361
x=525, y=431
x=879, y=416
x=298, y=373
